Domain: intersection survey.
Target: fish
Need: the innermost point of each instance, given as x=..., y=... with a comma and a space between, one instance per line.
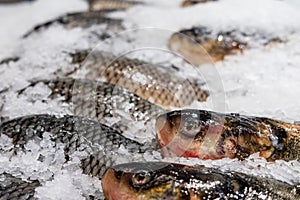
x=200, y=45
x=96, y=5
x=163, y=86
x=81, y=19
x=187, y=3
x=159, y=180
x=210, y=135
x=14, y=1
x=12, y=187
x=103, y=102
x=100, y=142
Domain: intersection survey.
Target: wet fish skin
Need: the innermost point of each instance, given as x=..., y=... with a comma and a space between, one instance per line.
x=77, y=133
x=80, y=19
x=164, y=87
x=210, y=135
x=200, y=45
x=156, y=180
x=100, y=101
x=12, y=187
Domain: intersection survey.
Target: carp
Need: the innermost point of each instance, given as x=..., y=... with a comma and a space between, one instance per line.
x=157, y=180
x=211, y=135
x=163, y=86
x=201, y=45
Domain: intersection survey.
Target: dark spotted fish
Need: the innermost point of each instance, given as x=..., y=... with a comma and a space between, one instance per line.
x=102, y=101
x=187, y=3
x=200, y=45
x=12, y=187
x=154, y=180
x=100, y=142
x=81, y=19
x=210, y=135
x=162, y=86
x=95, y=5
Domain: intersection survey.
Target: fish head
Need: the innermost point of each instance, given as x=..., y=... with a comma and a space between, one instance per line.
x=159, y=180
x=194, y=133
x=137, y=181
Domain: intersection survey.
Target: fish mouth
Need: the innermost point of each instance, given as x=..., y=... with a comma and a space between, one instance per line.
x=211, y=149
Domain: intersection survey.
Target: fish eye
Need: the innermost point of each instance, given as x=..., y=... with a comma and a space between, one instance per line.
x=141, y=178
x=191, y=127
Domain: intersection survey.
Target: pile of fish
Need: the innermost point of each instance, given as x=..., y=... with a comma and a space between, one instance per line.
x=115, y=115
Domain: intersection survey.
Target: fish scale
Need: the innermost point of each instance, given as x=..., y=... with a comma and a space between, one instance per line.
x=101, y=101
x=75, y=133
x=163, y=86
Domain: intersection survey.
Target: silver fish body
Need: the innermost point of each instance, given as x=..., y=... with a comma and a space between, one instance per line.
x=102, y=101
x=77, y=134
x=163, y=86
